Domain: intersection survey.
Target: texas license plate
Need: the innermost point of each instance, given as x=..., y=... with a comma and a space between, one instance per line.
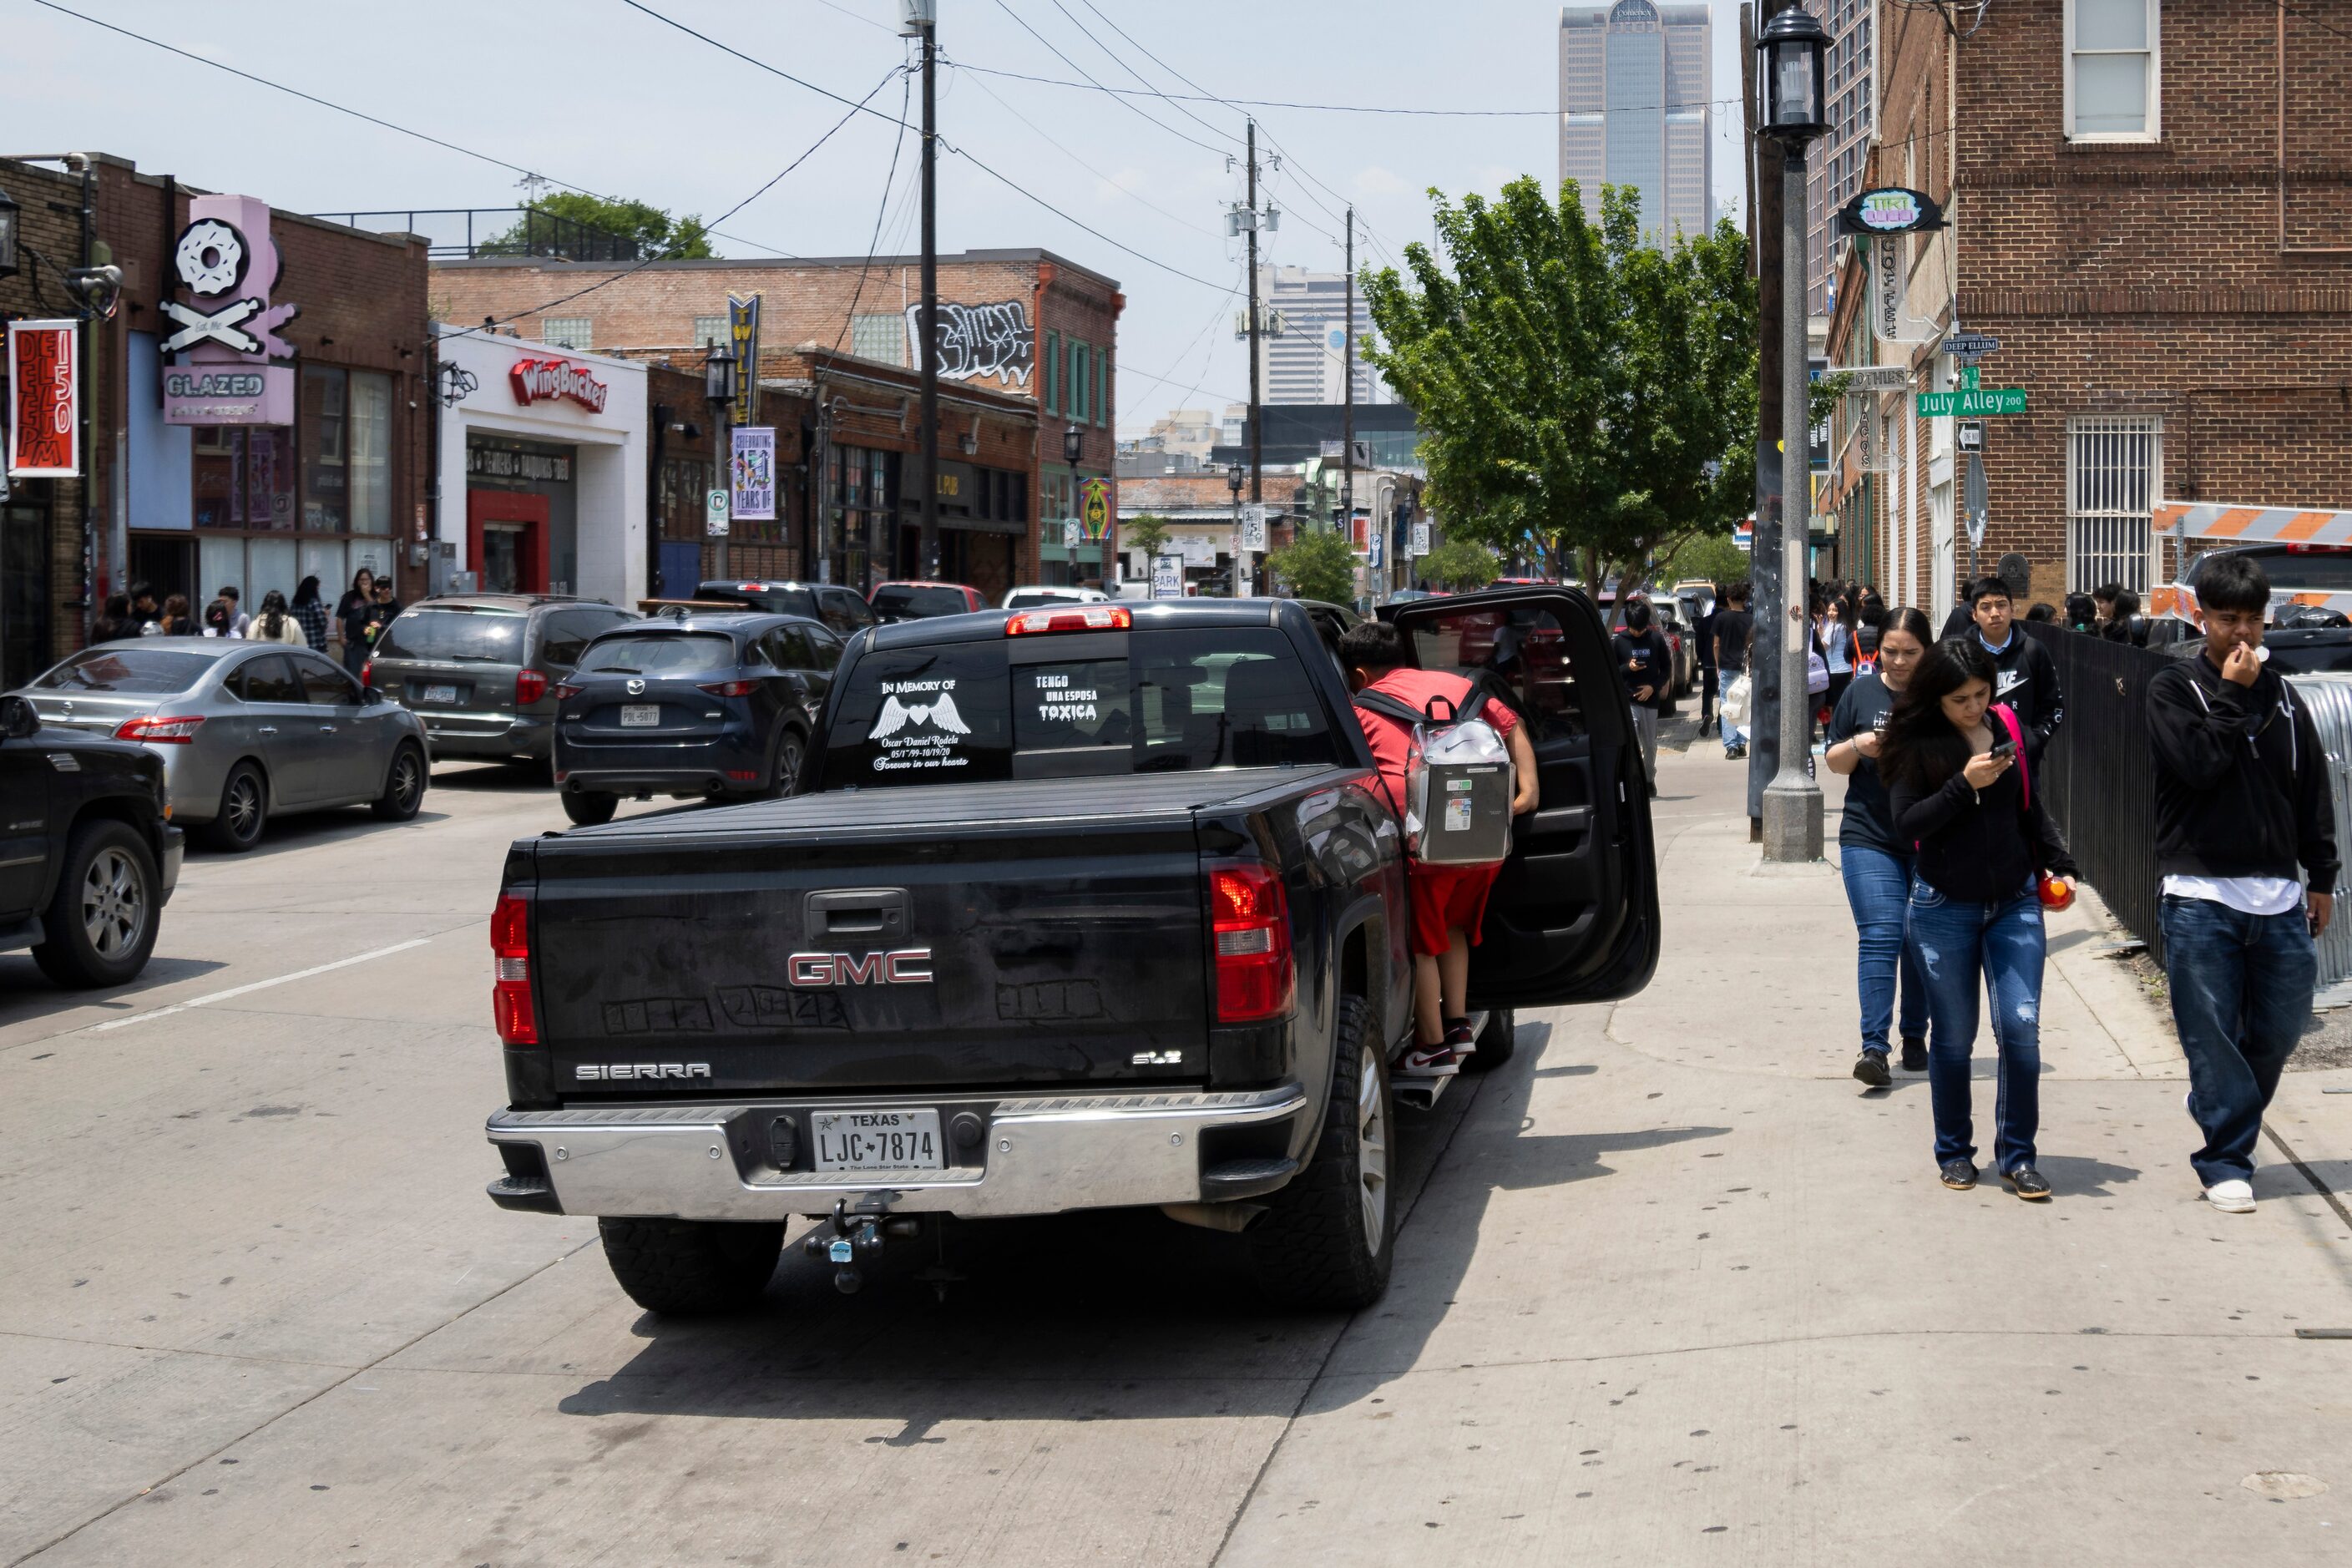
x=439, y=694
x=876, y=1140
x=641, y=716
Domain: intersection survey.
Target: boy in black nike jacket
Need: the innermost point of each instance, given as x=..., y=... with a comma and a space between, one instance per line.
x=2025, y=676
x=2241, y=799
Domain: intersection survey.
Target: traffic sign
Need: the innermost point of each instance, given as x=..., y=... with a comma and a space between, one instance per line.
x=1072, y=532
x=1253, y=528
x=1970, y=345
x=1972, y=498
x=714, y=514
x=1874, y=377
x=1971, y=404
x=1970, y=434
x=1168, y=576
x=1970, y=377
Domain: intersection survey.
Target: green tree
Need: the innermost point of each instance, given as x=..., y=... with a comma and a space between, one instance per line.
x=1584, y=397
x=1147, y=533
x=1317, y=565
x=1713, y=556
x=649, y=228
x=1459, y=564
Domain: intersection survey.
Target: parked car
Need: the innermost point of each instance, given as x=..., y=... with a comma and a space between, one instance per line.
x=920, y=601
x=1682, y=644
x=1036, y=595
x=244, y=731
x=87, y=853
x=839, y=608
x=712, y=705
x=479, y=669
x=1095, y=906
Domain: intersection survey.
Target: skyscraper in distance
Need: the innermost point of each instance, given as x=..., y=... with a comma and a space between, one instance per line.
x=1635, y=108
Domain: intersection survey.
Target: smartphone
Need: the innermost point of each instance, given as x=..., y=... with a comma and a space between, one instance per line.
x=2005, y=750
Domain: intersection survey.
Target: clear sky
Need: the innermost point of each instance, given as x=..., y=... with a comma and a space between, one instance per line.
x=599, y=95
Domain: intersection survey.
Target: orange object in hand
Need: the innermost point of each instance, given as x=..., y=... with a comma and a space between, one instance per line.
x=2057, y=892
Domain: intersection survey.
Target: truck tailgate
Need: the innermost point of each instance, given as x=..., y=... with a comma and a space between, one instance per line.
x=998, y=934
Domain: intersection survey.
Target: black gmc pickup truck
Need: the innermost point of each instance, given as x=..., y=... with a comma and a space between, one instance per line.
x=1082, y=907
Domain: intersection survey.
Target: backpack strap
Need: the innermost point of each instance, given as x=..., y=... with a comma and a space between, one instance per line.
x=1388, y=707
x=2017, y=738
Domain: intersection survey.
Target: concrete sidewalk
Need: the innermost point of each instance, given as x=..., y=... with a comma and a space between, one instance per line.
x=1682, y=1291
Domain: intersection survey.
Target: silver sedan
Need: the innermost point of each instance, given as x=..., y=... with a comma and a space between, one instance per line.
x=246, y=729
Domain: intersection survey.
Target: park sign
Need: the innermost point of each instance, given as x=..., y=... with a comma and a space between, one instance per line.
x=1972, y=404
x=1890, y=209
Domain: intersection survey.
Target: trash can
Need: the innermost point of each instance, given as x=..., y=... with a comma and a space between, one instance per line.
x=2329, y=699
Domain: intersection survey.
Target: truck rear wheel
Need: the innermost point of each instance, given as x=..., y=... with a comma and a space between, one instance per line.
x=100, y=926
x=1496, y=1041
x=589, y=807
x=685, y=1268
x=1326, y=1239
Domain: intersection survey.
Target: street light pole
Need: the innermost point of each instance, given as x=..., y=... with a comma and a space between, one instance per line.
x=1256, y=449
x=922, y=16
x=1791, y=45
x=719, y=391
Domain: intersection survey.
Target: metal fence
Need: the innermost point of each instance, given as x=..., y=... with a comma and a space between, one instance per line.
x=458, y=233
x=2099, y=776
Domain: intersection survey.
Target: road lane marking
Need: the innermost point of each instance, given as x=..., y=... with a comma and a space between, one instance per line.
x=256, y=985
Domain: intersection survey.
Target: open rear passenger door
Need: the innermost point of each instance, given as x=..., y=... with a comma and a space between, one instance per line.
x=1574, y=916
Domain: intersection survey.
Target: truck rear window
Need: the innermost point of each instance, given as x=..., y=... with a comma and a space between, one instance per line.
x=919, y=601
x=1171, y=702
x=492, y=636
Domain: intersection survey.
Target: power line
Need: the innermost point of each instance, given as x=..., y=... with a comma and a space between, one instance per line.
x=488, y=325
x=1098, y=87
x=727, y=50
x=356, y=113
x=1113, y=55
x=1089, y=168
x=881, y=209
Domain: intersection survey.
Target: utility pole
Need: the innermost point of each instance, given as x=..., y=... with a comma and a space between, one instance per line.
x=1348, y=403
x=921, y=16
x=1764, y=232
x=1257, y=447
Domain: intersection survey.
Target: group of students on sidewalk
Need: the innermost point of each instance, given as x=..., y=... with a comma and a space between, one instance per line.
x=1949, y=855
x=360, y=618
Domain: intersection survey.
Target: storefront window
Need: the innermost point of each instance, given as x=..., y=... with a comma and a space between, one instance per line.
x=244, y=477
x=326, y=478
x=369, y=449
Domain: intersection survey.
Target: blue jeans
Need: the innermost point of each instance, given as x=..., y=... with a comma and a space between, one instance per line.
x=1956, y=941
x=1877, y=887
x=2240, y=996
x=1735, y=734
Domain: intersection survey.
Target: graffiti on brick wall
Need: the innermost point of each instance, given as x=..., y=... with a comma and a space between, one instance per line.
x=980, y=342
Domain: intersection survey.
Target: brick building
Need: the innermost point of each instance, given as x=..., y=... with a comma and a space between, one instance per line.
x=2150, y=206
x=1018, y=328
x=343, y=482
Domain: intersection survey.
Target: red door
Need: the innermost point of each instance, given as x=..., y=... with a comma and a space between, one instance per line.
x=507, y=541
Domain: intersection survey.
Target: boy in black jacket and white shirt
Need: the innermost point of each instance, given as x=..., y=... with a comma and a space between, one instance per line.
x=2241, y=798
x=2026, y=677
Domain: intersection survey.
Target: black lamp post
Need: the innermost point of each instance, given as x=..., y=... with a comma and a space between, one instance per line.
x=719, y=391
x=8, y=210
x=1235, y=475
x=1791, y=48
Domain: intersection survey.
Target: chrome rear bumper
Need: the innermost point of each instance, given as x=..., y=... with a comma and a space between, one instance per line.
x=1041, y=1154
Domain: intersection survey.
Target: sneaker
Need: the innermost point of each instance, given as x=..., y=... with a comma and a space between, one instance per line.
x=1734, y=753
x=1459, y=1036
x=1960, y=1174
x=1871, y=1069
x=2027, y=1183
x=2233, y=1196
x=1430, y=1061
x=1915, y=1054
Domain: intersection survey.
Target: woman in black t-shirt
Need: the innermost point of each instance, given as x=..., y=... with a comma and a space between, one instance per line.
x=1876, y=864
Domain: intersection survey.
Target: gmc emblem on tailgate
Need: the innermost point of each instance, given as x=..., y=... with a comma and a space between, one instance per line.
x=899, y=966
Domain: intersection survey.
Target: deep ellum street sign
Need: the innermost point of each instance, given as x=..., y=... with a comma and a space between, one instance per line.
x=1972, y=404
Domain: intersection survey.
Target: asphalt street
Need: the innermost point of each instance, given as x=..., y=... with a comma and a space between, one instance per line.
x=1670, y=1288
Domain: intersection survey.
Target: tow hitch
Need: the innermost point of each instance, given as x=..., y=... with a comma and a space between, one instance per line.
x=855, y=1239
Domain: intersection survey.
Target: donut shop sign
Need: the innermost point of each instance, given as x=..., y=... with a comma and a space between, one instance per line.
x=224, y=363
x=545, y=380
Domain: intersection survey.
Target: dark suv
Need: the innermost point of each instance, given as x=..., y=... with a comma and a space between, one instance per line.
x=480, y=670
x=713, y=705
x=838, y=608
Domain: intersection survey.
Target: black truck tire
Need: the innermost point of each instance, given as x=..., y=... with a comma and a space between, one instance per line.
x=1326, y=1239
x=100, y=924
x=589, y=807
x=1495, y=1042
x=682, y=1268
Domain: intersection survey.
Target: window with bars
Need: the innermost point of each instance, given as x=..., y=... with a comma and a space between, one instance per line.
x=879, y=337
x=575, y=332
x=2114, y=473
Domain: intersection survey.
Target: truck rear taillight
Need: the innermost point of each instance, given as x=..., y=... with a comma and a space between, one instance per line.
x=179, y=732
x=511, y=1003
x=1078, y=618
x=531, y=685
x=1250, y=918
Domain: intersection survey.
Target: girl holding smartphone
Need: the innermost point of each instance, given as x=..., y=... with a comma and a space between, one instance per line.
x=1959, y=792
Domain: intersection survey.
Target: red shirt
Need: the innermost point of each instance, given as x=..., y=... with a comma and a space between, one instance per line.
x=1392, y=742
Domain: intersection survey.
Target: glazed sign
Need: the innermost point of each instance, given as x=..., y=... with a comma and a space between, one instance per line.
x=223, y=358
x=44, y=400
x=546, y=379
x=1892, y=209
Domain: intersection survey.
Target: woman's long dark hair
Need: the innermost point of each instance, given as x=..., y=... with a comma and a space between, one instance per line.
x=1921, y=747
x=307, y=593
x=273, y=615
